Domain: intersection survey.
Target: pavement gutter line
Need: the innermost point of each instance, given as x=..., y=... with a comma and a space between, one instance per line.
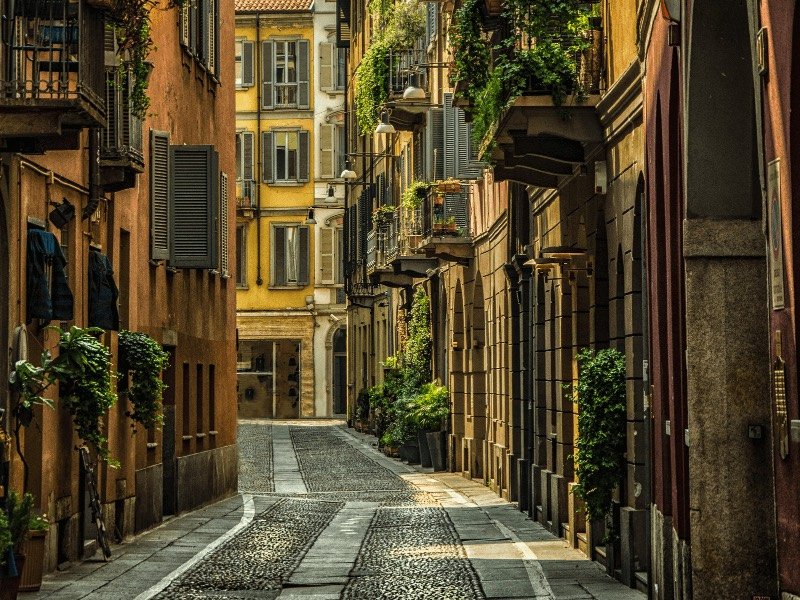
x=247, y=517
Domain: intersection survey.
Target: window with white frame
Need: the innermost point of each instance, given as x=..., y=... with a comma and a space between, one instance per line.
x=285, y=73
x=285, y=156
x=290, y=259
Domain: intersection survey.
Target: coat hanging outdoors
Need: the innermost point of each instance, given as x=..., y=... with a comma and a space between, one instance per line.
x=48, y=295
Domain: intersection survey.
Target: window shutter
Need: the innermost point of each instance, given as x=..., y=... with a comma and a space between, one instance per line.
x=193, y=12
x=194, y=206
x=449, y=137
x=267, y=168
x=326, y=66
x=159, y=195
x=326, y=253
x=224, y=233
x=185, y=33
x=419, y=157
x=327, y=153
x=456, y=205
x=211, y=34
x=302, y=74
x=267, y=69
x=434, y=154
x=239, y=155
x=338, y=254
x=279, y=255
x=302, y=156
x=430, y=22
x=343, y=23
x=303, y=256
x=247, y=63
x=469, y=167
x=247, y=155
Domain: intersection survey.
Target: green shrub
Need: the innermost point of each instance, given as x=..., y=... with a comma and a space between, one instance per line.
x=5, y=537
x=430, y=408
x=141, y=357
x=601, y=444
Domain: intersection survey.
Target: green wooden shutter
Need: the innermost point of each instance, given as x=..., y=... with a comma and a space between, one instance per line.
x=434, y=142
x=267, y=69
x=278, y=255
x=303, y=256
x=159, y=195
x=449, y=137
x=247, y=63
x=194, y=207
x=267, y=168
x=303, y=153
x=302, y=74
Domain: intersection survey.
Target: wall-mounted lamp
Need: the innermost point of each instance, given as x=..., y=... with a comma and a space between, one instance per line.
x=310, y=218
x=348, y=173
x=331, y=191
x=384, y=126
x=413, y=92
x=62, y=214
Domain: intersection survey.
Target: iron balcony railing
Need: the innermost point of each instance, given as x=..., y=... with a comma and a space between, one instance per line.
x=406, y=68
x=372, y=249
x=52, y=52
x=447, y=214
x=410, y=230
x=245, y=193
x=122, y=136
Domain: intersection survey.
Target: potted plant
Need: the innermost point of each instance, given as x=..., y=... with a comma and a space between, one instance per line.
x=430, y=409
x=8, y=582
x=382, y=216
x=21, y=519
x=38, y=527
x=414, y=194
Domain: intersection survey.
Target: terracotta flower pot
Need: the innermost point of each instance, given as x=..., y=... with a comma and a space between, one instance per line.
x=9, y=586
x=34, y=562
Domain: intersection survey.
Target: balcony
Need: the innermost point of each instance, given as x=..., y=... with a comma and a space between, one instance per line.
x=121, y=152
x=406, y=68
x=537, y=141
x=446, y=224
x=52, y=73
x=245, y=198
x=394, y=263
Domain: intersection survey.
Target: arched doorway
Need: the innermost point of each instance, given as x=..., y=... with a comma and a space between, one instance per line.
x=477, y=369
x=458, y=403
x=339, y=372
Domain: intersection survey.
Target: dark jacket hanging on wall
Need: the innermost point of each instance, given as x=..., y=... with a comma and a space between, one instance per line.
x=103, y=293
x=48, y=294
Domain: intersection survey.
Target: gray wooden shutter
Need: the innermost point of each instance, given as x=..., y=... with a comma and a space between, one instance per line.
x=267, y=168
x=185, y=32
x=457, y=206
x=430, y=21
x=327, y=65
x=338, y=254
x=248, y=74
x=449, y=137
x=419, y=157
x=224, y=233
x=434, y=153
x=327, y=152
x=303, y=152
x=267, y=69
x=247, y=155
x=469, y=167
x=279, y=255
x=159, y=195
x=194, y=206
x=302, y=74
x=303, y=256
x=327, y=267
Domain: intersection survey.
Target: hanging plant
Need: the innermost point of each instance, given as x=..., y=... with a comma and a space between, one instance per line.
x=601, y=444
x=83, y=370
x=471, y=56
x=372, y=86
x=141, y=359
x=414, y=194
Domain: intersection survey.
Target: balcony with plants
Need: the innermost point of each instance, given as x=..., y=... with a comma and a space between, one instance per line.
x=121, y=149
x=52, y=73
x=531, y=86
x=446, y=222
x=394, y=61
x=245, y=198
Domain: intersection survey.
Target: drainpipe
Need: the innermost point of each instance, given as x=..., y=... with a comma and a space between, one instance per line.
x=259, y=149
x=95, y=192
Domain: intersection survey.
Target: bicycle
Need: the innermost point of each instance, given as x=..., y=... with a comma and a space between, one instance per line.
x=94, y=502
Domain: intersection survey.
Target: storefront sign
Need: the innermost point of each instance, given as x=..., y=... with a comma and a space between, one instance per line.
x=775, y=234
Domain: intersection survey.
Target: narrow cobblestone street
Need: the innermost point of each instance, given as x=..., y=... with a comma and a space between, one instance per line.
x=323, y=515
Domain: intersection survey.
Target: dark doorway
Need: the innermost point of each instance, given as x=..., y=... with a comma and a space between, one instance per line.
x=340, y=371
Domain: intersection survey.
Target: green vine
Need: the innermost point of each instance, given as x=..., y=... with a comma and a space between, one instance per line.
x=372, y=86
x=471, y=54
x=414, y=194
x=600, y=448
x=142, y=359
x=405, y=24
x=5, y=537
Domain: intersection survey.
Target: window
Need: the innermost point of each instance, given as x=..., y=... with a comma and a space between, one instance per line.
x=241, y=256
x=331, y=150
x=290, y=255
x=244, y=64
x=332, y=67
x=285, y=72
x=285, y=156
x=331, y=252
x=200, y=32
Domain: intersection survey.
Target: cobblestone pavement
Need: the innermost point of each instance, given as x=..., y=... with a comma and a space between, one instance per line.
x=321, y=516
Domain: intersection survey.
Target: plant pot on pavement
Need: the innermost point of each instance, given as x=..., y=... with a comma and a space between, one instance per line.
x=438, y=450
x=424, y=452
x=34, y=562
x=409, y=452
